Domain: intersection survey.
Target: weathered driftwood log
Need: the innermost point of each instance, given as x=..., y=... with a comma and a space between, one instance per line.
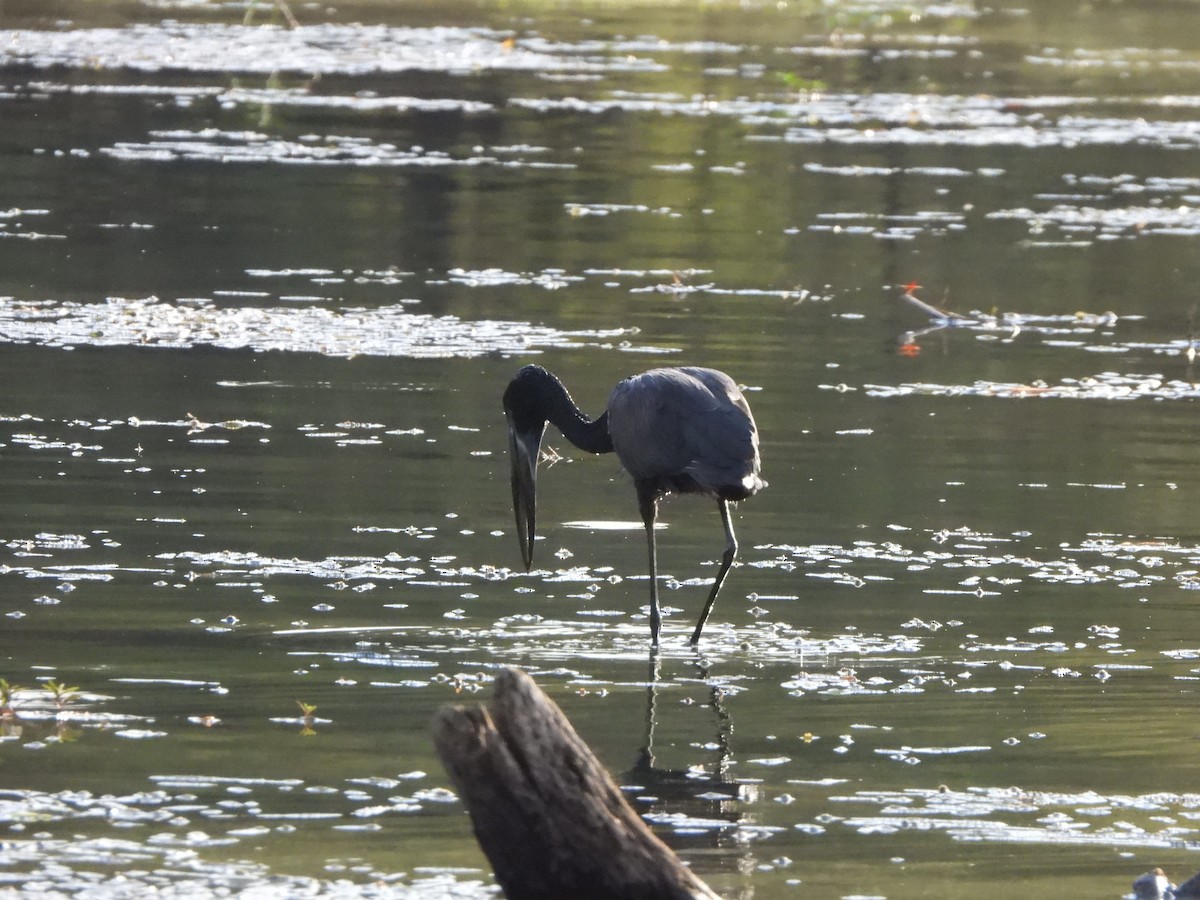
x=546, y=813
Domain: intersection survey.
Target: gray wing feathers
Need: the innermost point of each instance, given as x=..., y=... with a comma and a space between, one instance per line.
x=688, y=421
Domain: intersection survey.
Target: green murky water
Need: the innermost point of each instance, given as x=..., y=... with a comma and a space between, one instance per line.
x=260, y=290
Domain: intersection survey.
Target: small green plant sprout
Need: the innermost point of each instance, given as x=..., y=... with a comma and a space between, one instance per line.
x=7, y=693
x=801, y=86
x=61, y=693
x=307, y=720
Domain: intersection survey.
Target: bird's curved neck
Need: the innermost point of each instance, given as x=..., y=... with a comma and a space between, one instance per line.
x=586, y=434
x=556, y=405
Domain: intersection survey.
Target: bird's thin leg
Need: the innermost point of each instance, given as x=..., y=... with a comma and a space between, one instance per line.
x=726, y=561
x=648, y=505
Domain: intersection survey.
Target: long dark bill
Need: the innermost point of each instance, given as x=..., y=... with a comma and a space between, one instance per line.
x=523, y=449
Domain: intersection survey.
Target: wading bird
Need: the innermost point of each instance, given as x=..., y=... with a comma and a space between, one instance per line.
x=676, y=431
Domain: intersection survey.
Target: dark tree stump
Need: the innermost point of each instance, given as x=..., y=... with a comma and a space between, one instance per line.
x=550, y=819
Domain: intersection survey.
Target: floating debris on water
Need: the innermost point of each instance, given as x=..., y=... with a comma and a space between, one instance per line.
x=216, y=146
x=230, y=97
x=354, y=331
x=316, y=49
x=1019, y=816
x=1103, y=386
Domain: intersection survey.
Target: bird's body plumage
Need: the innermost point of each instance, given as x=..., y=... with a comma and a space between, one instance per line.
x=687, y=430
x=675, y=430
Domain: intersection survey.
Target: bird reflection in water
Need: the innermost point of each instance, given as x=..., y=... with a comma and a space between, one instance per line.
x=697, y=790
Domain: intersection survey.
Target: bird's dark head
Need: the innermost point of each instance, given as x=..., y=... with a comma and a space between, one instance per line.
x=525, y=410
x=524, y=403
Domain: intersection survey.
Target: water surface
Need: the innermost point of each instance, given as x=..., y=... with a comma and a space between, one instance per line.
x=262, y=287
